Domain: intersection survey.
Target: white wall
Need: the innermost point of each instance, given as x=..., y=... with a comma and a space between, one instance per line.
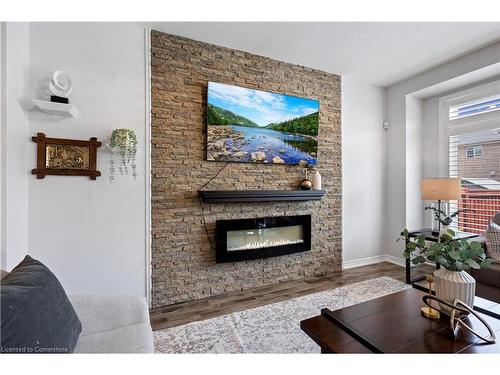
x=363, y=168
x=90, y=233
x=414, y=165
x=396, y=145
x=15, y=164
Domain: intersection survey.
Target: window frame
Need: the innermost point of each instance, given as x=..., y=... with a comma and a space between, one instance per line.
x=474, y=152
x=464, y=125
x=481, y=121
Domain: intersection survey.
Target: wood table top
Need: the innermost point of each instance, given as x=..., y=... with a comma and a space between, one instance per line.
x=394, y=324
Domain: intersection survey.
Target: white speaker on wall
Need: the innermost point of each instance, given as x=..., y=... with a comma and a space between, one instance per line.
x=386, y=125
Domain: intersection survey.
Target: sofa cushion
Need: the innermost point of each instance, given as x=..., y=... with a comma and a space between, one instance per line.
x=105, y=313
x=496, y=218
x=493, y=242
x=489, y=275
x=136, y=338
x=36, y=314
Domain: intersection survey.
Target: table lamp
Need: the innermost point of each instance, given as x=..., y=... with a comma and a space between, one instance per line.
x=439, y=189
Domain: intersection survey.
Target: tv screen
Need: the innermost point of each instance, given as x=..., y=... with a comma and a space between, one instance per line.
x=252, y=126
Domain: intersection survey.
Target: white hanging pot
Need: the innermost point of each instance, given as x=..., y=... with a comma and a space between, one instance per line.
x=451, y=285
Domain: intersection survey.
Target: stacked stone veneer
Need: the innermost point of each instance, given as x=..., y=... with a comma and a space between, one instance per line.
x=183, y=262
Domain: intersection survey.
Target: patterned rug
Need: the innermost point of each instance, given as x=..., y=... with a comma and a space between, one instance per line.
x=269, y=329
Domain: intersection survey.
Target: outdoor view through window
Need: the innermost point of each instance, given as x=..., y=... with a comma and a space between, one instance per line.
x=474, y=156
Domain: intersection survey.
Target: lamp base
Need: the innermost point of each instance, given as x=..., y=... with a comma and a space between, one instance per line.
x=430, y=313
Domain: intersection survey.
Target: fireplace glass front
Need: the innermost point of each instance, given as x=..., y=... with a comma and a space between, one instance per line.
x=262, y=237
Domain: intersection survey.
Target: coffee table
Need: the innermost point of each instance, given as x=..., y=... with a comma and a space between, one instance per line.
x=393, y=324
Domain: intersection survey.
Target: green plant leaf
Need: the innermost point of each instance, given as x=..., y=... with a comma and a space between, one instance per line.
x=418, y=260
x=446, y=221
x=486, y=263
x=436, y=247
x=442, y=260
x=446, y=238
x=454, y=255
x=421, y=241
x=475, y=245
x=472, y=263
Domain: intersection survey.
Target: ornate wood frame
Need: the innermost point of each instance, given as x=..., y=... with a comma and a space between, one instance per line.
x=41, y=170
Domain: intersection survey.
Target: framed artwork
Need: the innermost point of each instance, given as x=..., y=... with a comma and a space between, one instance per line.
x=66, y=157
x=252, y=126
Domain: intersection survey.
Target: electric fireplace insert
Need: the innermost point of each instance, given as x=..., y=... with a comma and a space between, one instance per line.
x=245, y=239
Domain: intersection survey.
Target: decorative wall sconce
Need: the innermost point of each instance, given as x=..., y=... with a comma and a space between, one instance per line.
x=123, y=142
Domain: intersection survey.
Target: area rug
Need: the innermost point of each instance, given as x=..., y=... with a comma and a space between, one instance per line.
x=273, y=328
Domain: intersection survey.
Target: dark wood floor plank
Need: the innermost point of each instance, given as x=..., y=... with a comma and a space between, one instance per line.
x=182, y=313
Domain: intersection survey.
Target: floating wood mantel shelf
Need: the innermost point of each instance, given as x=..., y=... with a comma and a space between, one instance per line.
x=229, y=196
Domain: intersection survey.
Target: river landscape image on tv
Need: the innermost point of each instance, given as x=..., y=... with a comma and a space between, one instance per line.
x=252, y=126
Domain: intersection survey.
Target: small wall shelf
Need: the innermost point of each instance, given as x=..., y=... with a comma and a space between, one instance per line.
x=227, y=196
x=60, y=109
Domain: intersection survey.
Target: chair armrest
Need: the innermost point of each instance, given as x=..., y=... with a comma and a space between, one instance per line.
x=103, y=313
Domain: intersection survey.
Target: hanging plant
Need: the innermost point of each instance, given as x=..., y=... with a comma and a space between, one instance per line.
x=123, y=143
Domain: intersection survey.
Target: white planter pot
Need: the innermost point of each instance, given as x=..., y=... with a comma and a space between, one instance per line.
x=451, y=285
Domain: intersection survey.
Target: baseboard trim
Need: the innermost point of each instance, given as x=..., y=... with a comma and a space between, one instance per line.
x=372, y=260
x=395, y=260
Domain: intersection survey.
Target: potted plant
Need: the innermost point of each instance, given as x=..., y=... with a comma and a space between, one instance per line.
x=443, y=218
x=124, y=143
x=455, y=256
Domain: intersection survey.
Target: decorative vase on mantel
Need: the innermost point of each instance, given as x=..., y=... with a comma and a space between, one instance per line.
x=451, y=285
x=306, y=183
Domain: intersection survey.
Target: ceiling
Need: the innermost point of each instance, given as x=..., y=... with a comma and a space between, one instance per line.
x=381, y=53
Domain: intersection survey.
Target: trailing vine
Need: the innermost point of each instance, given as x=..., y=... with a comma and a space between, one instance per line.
x=123, y=143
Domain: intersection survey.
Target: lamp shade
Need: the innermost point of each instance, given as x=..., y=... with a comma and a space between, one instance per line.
x=433, y=189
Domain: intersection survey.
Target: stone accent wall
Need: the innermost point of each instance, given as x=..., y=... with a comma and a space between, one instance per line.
x=183, y=262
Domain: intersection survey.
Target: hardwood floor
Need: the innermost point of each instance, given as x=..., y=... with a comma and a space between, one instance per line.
x=182, y=313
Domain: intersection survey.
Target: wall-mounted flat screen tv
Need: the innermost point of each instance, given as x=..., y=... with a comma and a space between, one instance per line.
x=252, y=126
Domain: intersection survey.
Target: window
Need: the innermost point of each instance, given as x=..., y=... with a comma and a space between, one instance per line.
x=480, y=198
x=478, y=107
x=483, y=105
x=474, y=152
x=472, y=133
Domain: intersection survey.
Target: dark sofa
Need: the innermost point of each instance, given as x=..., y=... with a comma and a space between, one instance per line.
x=488, y=279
